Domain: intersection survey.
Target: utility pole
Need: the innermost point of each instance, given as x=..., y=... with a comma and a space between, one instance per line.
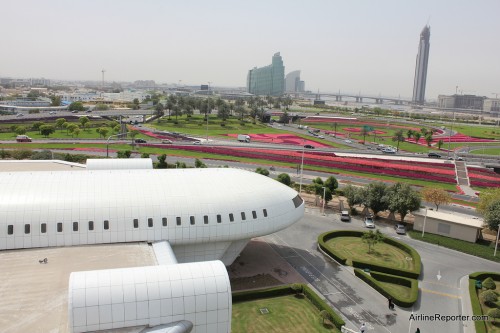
x=102, y=84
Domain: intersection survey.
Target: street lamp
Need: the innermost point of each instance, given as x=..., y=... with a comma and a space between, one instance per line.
x=302, y=167
x=324, y=195
x=425, y=219
x=107, y=143
x=208, y=106
x=496, y=243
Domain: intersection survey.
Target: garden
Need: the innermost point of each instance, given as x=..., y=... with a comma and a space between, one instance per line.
x=482, y=177
x=484, y=290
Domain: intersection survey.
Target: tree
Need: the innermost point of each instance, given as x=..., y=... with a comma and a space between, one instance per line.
x=403, y=199
x=70, y=128
x=47, y=130
x=440, y=144
x=76, y=131
x=223, y=111
x=364, y=131
x=199, y=164
x=332, y=184
x=284, y=178
x=437, y=196
x=409, y=134
x=417, y=136
x=371, y=238
x=162, y=162
x=398, y=137
x=159, y=110
x=102, y=131
x=133, y=133
x=492, y=215
x=351, y=194
x=262, y=171
x=284, y=118
x=56, y=100
x=376, y=198
x=494, y=313
x=102, y=107
x=241, y=111
x=124, y=154
x=36, y=125
x=84, y=121
x=428, y=139
x=489, y=297
x=60, y=122
x=487, y=198
x=20, y=130
x=424, y=131
x=78, y=106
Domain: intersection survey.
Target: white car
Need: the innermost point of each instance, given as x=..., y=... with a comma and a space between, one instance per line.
x=369, y=222
x=167, y=141
x=347, y=141
x=196, y=142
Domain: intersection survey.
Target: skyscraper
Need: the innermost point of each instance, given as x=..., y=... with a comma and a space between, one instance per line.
x=421, y=66
x=293, y=82
x=268, y=80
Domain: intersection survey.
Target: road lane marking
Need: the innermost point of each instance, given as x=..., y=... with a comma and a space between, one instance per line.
x=440, y=284
x=440, y=293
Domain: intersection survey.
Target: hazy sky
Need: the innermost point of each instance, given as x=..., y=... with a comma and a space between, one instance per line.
x=353, y=46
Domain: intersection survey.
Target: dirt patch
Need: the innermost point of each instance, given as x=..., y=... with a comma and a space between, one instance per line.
x=253, y=282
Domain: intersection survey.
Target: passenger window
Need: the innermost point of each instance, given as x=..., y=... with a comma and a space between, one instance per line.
x=106, y=224
x=254, y=214
x=205, y=219
x=265, y=212
x=191, y=219
x=27, y=228
x=59, y=227
x=150, y=222
x=91, y=225
x=75, y=226
x=164, y=221
x=43, y=228
x=136, y=223
x=219, y=218
x=231, y=217
x=178, y=220
x=10, y=229
x=243, y=217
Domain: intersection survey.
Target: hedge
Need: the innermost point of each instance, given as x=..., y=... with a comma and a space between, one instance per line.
x=413, y=274
x=375, y=279
x=316, y=300
x=483, y=275
x=476, y=306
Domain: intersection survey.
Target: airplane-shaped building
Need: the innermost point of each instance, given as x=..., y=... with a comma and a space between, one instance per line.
x=197, y=220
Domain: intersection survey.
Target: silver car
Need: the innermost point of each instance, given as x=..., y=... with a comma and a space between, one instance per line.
x=400, y=229
x=369, y=222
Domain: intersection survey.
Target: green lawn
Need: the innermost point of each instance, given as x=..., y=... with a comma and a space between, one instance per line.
x=353, y=248
x=286, y=314
x=482, y=249
x=396, y=289
x=489, y=151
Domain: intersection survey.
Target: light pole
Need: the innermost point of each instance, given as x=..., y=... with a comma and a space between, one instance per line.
x=208, y=106
x=425, y=219
x=496, y=243
x=302, y=167
x=324, y=194
x=449, y=136
x=107, y=143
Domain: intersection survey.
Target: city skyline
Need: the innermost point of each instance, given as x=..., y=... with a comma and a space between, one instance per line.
x=353, y=47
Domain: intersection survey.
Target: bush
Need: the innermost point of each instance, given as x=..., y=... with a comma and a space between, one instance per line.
x=21, y=154
x=223, y=124
x=494, y=313
x=489, y=284
x=476, y=307
x=484, y=275
x=375, y=277
x=489, y=297
x=249, y=295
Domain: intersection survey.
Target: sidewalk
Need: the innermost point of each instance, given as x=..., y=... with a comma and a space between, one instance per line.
x=468, y=326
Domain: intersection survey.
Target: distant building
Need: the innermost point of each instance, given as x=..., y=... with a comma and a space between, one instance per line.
x=269, y=80
x=39, y=82
x=491, y=105
x=471, y=102
x=421, y=66
x=293, y=82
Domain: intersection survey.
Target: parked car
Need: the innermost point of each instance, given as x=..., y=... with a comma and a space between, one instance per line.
x=400, y=229
x=196, y=142
x=167, y=141
x=388, y=151
x=344, y=216
x=308, y=146
x=347, y=141
x=435, y=155
x=369, y=222
x=140, y=141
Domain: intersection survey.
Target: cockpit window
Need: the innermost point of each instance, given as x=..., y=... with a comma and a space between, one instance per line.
x=297, y=201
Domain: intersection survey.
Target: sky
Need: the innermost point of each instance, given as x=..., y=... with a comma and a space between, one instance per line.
x=356, y=46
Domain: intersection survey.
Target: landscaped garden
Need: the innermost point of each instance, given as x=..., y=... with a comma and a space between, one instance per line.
x=390, y=267
x=482, y=177
x=484, y=290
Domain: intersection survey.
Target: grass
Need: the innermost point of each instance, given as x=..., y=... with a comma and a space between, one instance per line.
x=353, y=248
x=489, y=151
x=490, y=328
x=482, y=249
x=396, y=289
x=286, y=314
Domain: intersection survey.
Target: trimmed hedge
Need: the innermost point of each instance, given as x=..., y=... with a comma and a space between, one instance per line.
x=483, y=275
x=413, y=274
x=316, y=300
x=476, y=306
x=374, y=279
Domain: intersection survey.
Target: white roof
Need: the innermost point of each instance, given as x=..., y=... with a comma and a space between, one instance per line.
x=452, y=218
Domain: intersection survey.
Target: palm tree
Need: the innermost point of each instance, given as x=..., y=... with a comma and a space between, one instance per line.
x=398, y=137
x=364, y=131
x=409, y=134
x=417, y=136
x=428, y=139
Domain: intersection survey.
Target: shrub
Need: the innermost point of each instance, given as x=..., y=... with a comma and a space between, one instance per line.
x=476, y=307
x=261, y=293
x=494, y=313
x=489, y=284
x=484, y=275
x=223, y=124
x=489, y=297
x=320, y=304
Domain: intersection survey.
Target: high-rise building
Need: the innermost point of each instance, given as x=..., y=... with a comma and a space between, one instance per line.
x=268, y=80
x=293, y=82
x=421, y=66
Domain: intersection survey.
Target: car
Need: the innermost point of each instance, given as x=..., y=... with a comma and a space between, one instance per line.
x=344, y=216
x=140, y=141
x=321, y=137
x=400, y=229
x=369, y=222
x=167, y=141
x=388, y=151
x=20, y=115
x=196, y=142
x=459, y=158
x=435, y=155
x=52, y=112
x=308, y=146
x=347, y=141
x=74, y=111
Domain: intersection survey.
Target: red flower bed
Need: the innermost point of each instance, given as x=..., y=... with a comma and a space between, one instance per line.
x=454, y=138
x=288, y=139
x=483, y=184
x=484, y=176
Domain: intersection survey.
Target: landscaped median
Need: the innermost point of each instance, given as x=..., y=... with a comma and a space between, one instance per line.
x=480, y=304
x=287, y=306
x=392, y=268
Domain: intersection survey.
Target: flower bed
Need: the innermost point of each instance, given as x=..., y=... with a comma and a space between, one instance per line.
x=288, y=139
x=457, y=138
x=483, y=177
x=358, y=130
